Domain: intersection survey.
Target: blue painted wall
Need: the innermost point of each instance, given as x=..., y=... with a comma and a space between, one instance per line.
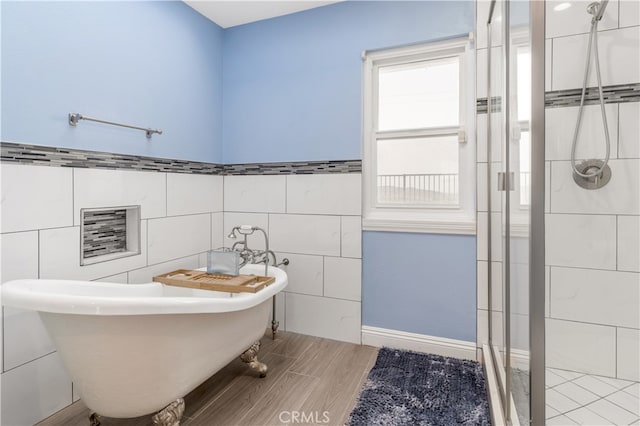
x=148, y=63
x=293, y=84
x=420, y=283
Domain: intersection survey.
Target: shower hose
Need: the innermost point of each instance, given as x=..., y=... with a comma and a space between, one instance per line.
x=593, y=41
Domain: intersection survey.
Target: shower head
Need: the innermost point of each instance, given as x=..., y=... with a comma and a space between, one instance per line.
x=597, y=9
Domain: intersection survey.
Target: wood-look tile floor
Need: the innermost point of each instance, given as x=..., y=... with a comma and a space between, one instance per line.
x=307, y=375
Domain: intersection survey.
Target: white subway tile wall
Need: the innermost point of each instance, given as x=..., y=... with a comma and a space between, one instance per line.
x=255, y=194
x=167, y=237
x=184, y=215
x=324, y=194
x=560, y=125
x=35, y=197
x=318, y=228
x=628, y=146
x=571, y=20
x=577, y=346
x=628, y=354
x=336, y=319
x=620, y=65
x=305, y=272
x=34, y=391
x=114, y=188
x=189, y=193
x=593, y=236
x=182, y=218
x=587, y=241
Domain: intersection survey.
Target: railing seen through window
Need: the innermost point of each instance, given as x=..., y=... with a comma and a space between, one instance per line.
x=441, y=188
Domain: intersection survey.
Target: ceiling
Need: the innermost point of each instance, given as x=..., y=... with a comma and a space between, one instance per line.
x=231, y=13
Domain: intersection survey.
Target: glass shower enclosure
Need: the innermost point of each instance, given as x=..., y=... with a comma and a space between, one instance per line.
x=563, y=268
x=509, y=201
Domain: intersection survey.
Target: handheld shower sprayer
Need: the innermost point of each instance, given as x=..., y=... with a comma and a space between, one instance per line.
x=593, y=173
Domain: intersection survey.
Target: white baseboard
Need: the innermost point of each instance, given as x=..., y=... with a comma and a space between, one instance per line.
x=461, y=349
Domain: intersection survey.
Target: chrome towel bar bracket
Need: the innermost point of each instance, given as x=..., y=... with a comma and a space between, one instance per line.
x=75, y=117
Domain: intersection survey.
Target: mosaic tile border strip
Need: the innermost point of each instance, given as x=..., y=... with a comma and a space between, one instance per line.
x=571, y=98
x=295, y=168
x=481, y=105
x=36, y=155
x=611, y=94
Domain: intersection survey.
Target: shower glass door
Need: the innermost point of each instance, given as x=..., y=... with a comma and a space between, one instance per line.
x=509, y=171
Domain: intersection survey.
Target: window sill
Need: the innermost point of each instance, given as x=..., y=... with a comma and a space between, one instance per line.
x=452, y=225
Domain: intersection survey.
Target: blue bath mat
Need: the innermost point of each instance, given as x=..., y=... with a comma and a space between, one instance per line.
x=408, y=388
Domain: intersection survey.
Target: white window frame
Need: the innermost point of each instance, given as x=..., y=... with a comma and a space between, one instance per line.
x=460, y=219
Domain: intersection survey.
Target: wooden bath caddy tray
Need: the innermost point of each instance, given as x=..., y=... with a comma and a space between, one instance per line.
x=216, y=282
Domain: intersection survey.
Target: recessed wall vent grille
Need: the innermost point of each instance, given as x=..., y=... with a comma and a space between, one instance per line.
x=109, y=233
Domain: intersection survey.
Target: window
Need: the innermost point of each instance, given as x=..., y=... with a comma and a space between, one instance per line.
x=418, y=162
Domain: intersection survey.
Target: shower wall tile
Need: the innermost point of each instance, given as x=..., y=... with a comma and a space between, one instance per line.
x=587, y=241
x=255, y=241
x=481, y=131
x=496, y=286
x=145, y=275
x=547, y=186
x=581, y=347
x=59, y=255
x=342, y=278
x=481, y=70
x=306, y=234
x=263, y=194
x=482, y=236
x=19, y=256
x=548, y=63
x=628, y=354
x=324, y=317
x=192, y=194
x=34, y=391
x=575, y=19
x=25, y=337
x=481, y=187
x=35, y=197
x=179, y=236
x=620, y=65
x=595, y=296
x=520, y=289
x=559, y=129
x=629, y=13
x=324, y=194
x=629, y=137
x=547, y=291
x=496, y=237
x=481, y=190
x=620, y=196
x=629, y=243
x=305, y=273
x=482, y=332
x=112, y=188
x=351, y=238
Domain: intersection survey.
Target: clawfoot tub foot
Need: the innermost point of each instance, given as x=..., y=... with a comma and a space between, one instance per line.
x=170, y=415
x=250, y=356
x=94, y=419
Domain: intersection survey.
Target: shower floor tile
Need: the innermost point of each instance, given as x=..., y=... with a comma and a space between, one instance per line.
x=585, y=399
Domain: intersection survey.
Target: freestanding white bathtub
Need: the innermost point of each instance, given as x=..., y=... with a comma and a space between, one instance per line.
x=133, y=349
